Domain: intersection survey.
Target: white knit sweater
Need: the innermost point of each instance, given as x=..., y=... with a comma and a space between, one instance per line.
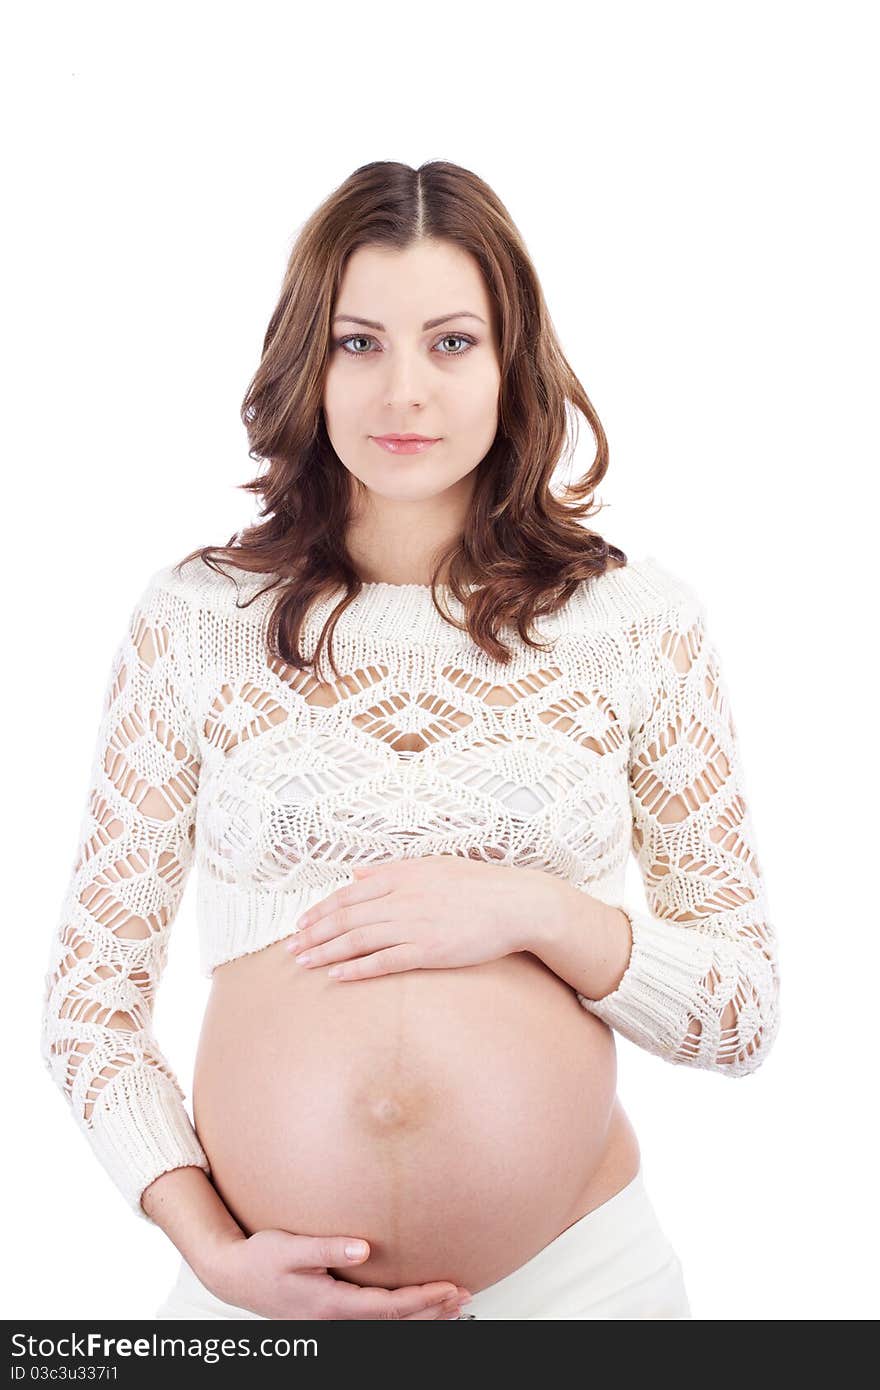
x=619, y=737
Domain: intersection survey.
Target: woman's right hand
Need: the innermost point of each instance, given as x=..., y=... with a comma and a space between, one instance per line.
x=280, y=1275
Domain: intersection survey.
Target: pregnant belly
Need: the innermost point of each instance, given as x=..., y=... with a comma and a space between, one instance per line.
x=453, y=1118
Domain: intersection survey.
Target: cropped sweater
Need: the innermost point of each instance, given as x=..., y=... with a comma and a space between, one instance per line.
x=618, y=737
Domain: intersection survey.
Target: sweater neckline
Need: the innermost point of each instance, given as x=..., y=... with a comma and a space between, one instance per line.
x=407, y=614
x=383, y=584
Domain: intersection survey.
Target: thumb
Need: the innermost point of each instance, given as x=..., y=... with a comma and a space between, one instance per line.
x=322, y=1252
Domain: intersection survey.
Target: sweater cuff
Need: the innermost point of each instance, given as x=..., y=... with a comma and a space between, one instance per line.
x=660, y=989
x=140, y=1129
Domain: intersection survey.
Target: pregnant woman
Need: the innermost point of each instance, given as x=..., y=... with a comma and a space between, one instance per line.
x=409, y=727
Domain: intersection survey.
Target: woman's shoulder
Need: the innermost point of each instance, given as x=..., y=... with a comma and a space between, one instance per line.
x=643, y=586
x=215, y=585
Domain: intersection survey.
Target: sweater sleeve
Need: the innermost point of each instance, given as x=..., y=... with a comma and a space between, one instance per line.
x=110, y=945
x=702, y=984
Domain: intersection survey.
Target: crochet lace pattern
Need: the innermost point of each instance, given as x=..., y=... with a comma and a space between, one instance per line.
x=277, y=782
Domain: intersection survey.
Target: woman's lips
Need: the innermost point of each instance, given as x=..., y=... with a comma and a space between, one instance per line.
x=404, y=446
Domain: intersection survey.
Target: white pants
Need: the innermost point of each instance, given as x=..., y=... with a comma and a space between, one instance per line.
x=615, y=1262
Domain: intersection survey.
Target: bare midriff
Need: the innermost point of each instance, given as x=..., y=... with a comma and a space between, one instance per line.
x=458, y=1120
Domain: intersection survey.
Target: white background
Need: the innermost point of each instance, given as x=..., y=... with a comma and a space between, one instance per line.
x=694, y=183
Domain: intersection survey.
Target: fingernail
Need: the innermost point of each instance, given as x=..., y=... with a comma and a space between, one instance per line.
x=355, y=1249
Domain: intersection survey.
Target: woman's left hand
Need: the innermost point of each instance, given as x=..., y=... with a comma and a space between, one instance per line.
x=435, y=912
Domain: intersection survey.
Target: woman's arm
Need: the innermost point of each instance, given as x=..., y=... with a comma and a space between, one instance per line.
x=186, y=1205
x=696, y=978
x=110, y=945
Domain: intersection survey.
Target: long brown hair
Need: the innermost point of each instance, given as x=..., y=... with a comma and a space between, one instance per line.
x=524, y=545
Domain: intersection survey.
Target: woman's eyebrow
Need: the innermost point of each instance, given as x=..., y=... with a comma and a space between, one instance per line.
x=429, y=323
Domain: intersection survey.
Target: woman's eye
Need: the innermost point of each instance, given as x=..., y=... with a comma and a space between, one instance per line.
x=365, y=338
x=459, y=338
x=354, y=338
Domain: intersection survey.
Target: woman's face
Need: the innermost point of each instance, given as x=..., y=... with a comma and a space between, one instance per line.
x=397, y=376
